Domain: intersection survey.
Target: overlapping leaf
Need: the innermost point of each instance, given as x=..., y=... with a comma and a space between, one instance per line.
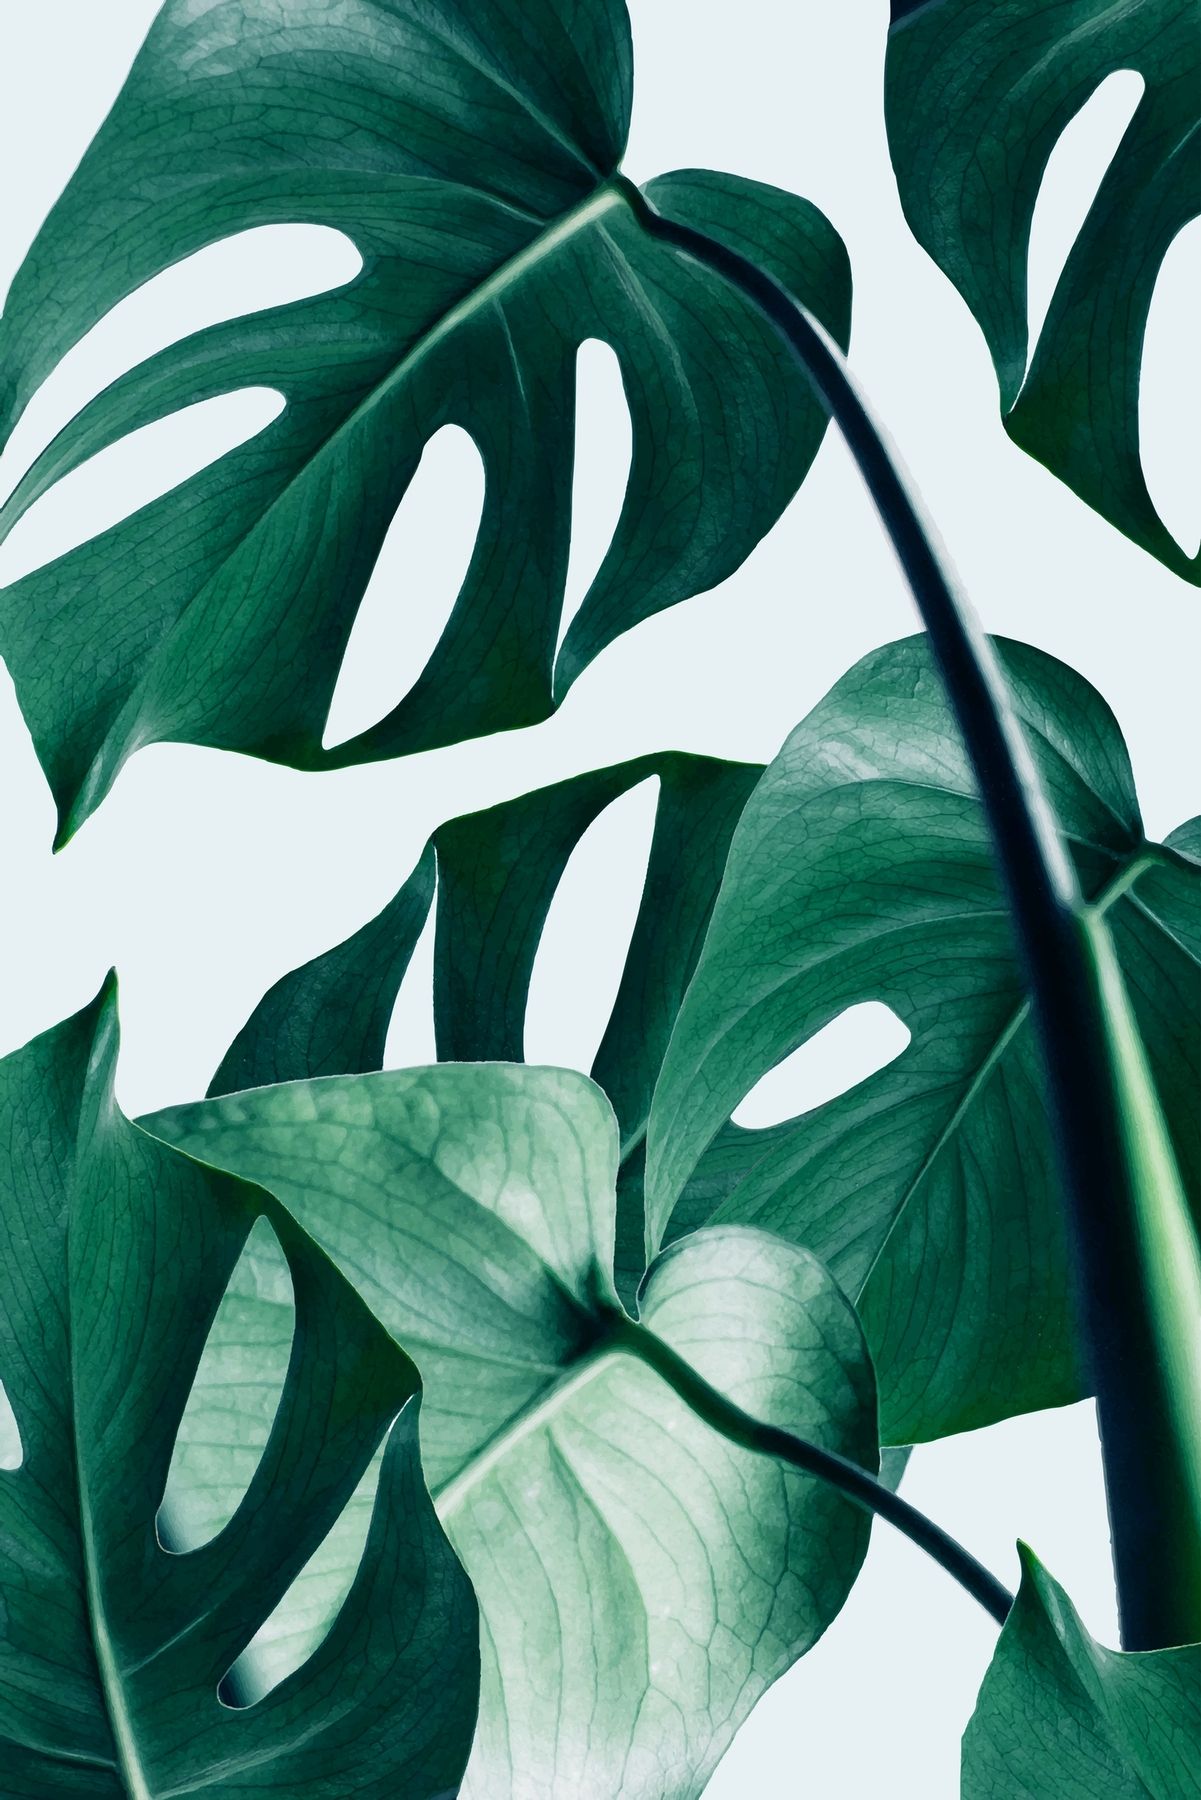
x=977, y=95
x=1059, y=1714
x=497, y=872
x=861, y=870
x=116, y=1253
x=640, y=1580
x=471, y=153
x=225, y=1427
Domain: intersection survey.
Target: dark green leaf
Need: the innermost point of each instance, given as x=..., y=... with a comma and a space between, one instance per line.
x=470, y=152
x=977, y=95
x=641, y=1580
x=331, y=1016
x=862, y=870
x=499, y=871
x=116, y=1253
x=1060, y=1717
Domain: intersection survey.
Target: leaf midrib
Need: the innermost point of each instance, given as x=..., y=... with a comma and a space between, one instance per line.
x=602, y=199
x=450, y=1494
x=129, y=1761
x=471, y=56
x=129, y=1770
x=1115, y=889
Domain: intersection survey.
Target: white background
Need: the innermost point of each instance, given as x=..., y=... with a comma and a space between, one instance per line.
x=205, y=876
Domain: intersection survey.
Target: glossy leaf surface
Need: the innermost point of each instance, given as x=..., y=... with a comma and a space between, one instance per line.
x=1059, y=1714
x=470, y=152
x=116, y=1254
x=978, y=93
x=862, y=870
x=641, y=1581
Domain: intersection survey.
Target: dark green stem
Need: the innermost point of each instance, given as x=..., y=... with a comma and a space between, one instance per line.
x=749, y=1433
x=1138, y=1270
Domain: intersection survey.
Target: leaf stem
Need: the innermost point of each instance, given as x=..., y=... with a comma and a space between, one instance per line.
x=749, y=1433
x=1136, y=1255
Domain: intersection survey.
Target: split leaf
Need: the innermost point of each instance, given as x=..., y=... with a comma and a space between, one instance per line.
x=641, y=1580
x=471, y=154
x=862, y=870
x=977, y=94
x=497, y=873
x=117, y=1251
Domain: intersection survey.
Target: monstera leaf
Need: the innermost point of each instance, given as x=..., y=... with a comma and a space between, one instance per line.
x=497, y=872
x=861, y=870
x=977, y=94
x=471, y=153
x=641, y=1580
x=1060, y=1714
x=116, y=1253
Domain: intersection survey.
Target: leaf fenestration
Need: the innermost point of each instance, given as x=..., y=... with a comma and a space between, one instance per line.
x=234, y=1400
x=977, y=94
x=641, y=1580
x=471, y=154
x=497, y=875
x=862, y=869
x=116, y=1251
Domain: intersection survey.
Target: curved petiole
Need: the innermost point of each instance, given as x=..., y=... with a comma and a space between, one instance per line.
x=1135, y=1246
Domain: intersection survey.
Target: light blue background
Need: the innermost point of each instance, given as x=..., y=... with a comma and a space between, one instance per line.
x=206, y=876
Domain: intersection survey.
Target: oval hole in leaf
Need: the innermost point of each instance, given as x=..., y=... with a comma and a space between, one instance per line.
x=270, y=265
x=413, y=588
x=306, y=1614
x=129, y=474
x=586, y=936
x=411, y=1043
x=1169, y=395
x=859, y=1042
x=604, y=445
x=1074, y=172
x=234, y=1397
x=12, y=1451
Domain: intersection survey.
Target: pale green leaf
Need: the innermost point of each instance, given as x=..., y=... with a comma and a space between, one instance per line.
x=641, y=1581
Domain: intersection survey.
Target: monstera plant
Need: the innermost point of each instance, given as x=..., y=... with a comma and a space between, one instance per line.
x=976, y=98
x=498, y=1429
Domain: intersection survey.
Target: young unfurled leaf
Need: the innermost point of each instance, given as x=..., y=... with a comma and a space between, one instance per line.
x=497, y=874
x=862, y=870
x=1061, y=1715
x=116, y=1251
x=641, y=1581
x=471, y=154
x=977, y=95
